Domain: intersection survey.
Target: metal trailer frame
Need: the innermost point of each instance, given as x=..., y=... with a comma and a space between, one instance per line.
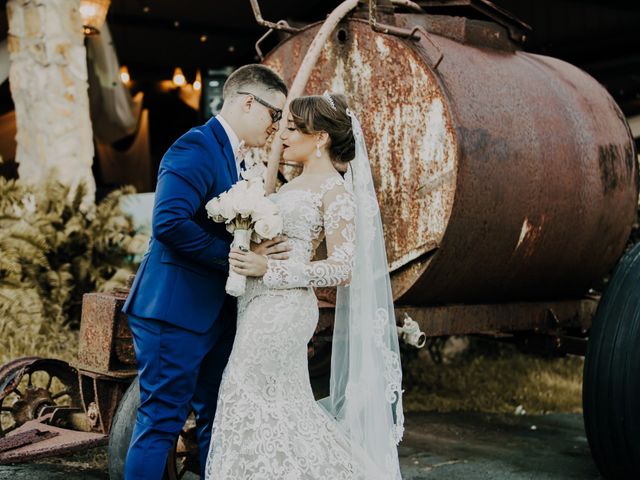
x=105, y=368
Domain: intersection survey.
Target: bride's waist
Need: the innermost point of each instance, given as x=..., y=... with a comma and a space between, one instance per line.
x=255, y=286
x=300, y=251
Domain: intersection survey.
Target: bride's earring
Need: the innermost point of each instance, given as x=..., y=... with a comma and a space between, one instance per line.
x=318, y=154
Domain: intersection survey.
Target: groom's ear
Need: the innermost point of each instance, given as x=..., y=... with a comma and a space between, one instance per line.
x=245, y=102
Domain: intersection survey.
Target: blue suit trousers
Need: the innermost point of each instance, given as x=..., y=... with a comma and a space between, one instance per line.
x=178, y=369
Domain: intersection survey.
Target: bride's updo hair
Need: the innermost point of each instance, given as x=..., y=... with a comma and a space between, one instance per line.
x=316, y=113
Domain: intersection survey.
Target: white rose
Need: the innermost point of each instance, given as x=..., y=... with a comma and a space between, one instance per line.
x=239, y=188
x=236, y=195
x=213, y=210
x=248, y=203
x=269, y=227
x=231, y=227
x=251, y=197
x=227, y=209
x=265, y=208
x=245, y=208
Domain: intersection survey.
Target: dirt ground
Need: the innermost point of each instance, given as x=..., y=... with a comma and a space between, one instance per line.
x=437, y=446
x=483, y=411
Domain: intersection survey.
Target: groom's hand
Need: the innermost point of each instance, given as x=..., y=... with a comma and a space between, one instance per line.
x=277, y=248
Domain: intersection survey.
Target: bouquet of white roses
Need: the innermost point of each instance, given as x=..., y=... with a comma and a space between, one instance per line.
x=248, y=215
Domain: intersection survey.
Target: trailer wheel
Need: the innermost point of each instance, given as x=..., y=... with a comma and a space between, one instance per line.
x=122, y=429
x=29, y=385
x=182, y=462
x=611, y=384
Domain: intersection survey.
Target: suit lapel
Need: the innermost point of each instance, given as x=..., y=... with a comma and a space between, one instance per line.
x=225, y=143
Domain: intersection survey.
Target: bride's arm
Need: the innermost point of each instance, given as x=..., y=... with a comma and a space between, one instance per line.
x=339, y=227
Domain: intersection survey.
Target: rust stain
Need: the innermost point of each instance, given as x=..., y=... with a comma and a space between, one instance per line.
x=407, y=126
x=31, y=385
x=53, y=441
x=615, y=167
x=488, y=169
x=26, y=438
x=106, y=345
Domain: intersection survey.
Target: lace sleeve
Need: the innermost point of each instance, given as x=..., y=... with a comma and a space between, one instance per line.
x=339, y=229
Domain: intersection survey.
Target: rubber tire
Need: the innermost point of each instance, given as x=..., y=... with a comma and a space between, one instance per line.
x=611, y=382
x=122, y=429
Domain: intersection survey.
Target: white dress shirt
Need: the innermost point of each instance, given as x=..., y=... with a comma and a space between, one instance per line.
x=233, y=138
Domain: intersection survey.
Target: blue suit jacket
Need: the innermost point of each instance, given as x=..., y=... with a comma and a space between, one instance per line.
x=182, y=276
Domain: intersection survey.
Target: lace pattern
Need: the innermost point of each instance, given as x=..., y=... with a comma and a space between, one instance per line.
x=328, y=212
x=268, y=425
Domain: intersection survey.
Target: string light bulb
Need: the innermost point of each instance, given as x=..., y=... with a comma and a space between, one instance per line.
x=93, y=13
x=197, y=83
x=124, y=75
x=179, y=79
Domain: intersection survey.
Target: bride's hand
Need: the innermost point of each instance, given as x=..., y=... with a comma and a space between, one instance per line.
x=249, y=264
x=276, y=248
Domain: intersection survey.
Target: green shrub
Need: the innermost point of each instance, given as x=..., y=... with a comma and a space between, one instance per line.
x=52, y=251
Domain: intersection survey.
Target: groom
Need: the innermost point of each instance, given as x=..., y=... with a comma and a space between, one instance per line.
x=183, y=323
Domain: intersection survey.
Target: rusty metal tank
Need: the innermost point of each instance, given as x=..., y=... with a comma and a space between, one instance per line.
x=501, y=175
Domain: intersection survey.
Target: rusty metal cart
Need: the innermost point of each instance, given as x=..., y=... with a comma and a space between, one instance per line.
x=508, y=186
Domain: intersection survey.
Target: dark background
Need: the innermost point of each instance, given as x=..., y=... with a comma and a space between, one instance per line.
x=601, y=37
x=152, y=37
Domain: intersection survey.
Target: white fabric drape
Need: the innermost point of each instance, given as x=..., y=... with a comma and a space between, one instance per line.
x=4, y=61
x=114, y=114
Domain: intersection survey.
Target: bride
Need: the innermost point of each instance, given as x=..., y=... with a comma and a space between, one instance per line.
x=268, y=425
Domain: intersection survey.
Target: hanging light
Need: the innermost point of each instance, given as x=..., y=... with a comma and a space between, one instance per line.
x=197, y=83
x=93, y=13
x=124, y=75
x=178, y=78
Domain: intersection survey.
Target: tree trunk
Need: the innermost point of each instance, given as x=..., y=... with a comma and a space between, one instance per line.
x=48, y=78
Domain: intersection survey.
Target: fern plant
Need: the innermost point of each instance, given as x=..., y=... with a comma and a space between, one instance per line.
x=52, y=251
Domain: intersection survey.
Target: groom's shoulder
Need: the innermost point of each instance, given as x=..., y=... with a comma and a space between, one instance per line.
x=199, y=137
x=191, y=148
x=198, y=141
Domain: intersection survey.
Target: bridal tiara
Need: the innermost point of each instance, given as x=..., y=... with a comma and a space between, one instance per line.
x=327, y=97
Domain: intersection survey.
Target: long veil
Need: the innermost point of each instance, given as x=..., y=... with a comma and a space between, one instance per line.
x=365, y=387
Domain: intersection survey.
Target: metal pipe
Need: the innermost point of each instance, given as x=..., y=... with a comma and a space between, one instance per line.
x=402, y=32
x=260, y=40
x=408, y=4
x=410, y=333
x=280, y=25
x=300, y=81
x=387, y=29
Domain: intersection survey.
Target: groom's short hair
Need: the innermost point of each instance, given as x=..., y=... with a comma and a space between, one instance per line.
x=253, y=75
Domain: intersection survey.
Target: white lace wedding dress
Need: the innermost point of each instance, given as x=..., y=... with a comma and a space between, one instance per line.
x=268, y=425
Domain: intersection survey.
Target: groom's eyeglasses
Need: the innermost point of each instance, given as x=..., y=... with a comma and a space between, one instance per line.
x=276, y=113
